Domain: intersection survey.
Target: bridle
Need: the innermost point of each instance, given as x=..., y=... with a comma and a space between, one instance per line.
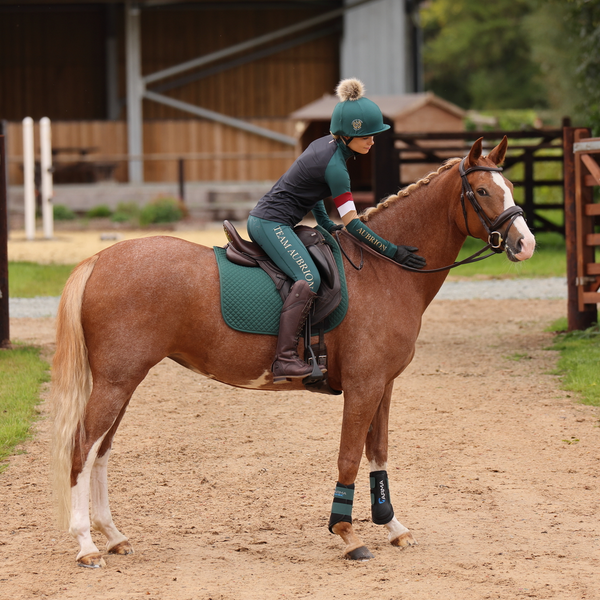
x=496, y=238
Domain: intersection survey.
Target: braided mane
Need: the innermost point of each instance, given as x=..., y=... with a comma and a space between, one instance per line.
x=369, y=212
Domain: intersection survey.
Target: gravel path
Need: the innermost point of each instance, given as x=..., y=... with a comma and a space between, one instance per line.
x=494, y=289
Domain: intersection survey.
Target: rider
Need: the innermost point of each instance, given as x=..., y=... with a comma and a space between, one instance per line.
x=319, y=172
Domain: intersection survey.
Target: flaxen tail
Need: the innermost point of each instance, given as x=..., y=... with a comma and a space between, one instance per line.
x=71, y=385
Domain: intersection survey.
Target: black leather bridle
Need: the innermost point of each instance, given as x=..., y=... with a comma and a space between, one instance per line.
x=496, y=238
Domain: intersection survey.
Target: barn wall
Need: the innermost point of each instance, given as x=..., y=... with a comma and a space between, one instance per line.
x=213, y=152
x=273, y=86
x=53, y=61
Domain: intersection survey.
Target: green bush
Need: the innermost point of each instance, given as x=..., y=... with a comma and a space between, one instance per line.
x=126, y=211
x=62, y=213
x=102, y=211
x=162, y=210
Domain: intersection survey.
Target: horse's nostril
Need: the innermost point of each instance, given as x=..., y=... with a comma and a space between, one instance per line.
x=519, y=246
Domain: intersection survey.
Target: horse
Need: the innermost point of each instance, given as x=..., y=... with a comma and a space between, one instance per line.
x=137, y=302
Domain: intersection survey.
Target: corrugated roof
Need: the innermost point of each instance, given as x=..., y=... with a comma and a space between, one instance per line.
x=391, y=106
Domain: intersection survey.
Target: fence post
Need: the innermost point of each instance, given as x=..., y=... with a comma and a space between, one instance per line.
x=29, y=178
x=4, y=316
x=181, y=173
x=576, y=319
x=528, y=185
x=46, y=177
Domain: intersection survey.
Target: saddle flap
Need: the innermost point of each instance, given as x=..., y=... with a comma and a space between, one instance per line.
x=329, y=294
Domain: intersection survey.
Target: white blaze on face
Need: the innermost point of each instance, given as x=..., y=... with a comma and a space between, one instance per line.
x=528, y=241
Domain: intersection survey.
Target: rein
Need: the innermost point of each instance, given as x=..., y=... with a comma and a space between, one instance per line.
x=362, y=246
x=496, y=241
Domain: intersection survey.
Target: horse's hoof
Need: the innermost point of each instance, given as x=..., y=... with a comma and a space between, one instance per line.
x=404, y=541
x=91, y=561
x=121, y=548
x=360, y=553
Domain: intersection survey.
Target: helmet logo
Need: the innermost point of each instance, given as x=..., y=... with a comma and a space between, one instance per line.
x=357, y=124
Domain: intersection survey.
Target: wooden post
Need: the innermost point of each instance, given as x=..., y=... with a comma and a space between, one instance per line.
x=528, y=180
x=181, y=173
x=587, y=317
x=4, y=316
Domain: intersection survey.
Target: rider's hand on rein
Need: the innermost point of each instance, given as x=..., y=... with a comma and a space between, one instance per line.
x=405, y=255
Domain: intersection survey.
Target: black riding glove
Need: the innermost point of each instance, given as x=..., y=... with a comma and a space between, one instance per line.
x=405, y=255
x=335, y=227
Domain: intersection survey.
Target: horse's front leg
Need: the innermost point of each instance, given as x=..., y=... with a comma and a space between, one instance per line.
x=382, y=511
x=359, y=409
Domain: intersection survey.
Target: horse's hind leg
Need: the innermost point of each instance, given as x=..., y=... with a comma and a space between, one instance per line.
x=376, y=448
x=116, y=542
x=103, y=413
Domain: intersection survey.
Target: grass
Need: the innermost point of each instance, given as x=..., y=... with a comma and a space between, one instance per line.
x=579, y=360
x=22, y=373
x=549, y=260
x=28, y=279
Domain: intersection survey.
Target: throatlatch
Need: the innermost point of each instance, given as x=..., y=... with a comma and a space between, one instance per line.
x=382, y=511
x=341, y=509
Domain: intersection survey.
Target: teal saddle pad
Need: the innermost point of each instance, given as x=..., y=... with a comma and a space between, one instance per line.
x=250, y=301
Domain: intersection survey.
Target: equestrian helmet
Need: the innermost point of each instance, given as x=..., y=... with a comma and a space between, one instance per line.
x=354, y=115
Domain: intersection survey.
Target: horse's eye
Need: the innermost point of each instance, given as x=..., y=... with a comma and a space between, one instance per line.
x=482, y=192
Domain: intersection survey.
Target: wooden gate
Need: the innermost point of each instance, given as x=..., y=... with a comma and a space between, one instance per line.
x=581, y=174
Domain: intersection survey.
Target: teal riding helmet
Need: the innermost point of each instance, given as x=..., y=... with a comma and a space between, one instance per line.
x=355, y=115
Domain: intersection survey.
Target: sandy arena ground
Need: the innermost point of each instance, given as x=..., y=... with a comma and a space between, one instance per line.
x=225, y=493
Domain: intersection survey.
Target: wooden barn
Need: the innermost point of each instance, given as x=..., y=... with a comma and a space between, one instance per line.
x=149, y=92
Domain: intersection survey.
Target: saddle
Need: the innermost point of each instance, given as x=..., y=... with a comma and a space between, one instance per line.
x=248, y=254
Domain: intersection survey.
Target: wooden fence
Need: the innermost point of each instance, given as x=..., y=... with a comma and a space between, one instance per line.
x=96, y=151
x=528, y=150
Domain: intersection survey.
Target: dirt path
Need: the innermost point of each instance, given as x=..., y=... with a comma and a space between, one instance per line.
x=225, y=493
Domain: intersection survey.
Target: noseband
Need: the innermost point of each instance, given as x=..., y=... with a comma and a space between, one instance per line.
x=496, y=238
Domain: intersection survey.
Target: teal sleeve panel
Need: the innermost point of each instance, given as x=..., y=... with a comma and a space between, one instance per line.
x=336, y=174
x=321, y=216
x=359, y=230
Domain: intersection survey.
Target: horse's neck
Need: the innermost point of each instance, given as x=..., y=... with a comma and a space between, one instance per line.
x=426, y=218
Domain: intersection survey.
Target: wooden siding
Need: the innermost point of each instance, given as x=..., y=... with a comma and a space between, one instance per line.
x=52, y=61
x=273, y=86
x=212, y=152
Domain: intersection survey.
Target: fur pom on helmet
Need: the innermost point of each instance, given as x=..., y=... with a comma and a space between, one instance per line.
x=350, y=89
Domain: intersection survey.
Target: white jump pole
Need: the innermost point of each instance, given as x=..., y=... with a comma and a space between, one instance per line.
x=46, y=173
x=28, y=178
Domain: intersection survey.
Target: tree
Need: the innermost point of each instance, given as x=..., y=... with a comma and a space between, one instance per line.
x=479, y=55
x=585, y=28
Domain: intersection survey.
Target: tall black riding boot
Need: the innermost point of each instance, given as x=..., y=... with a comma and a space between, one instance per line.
x=295, y=309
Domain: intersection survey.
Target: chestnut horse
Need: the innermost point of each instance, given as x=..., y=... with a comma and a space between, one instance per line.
x=128, y=307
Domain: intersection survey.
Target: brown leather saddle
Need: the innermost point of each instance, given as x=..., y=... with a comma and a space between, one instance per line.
x=248, y=254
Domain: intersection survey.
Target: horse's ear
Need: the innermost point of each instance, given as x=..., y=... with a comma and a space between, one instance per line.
x=474, y=153
x=499, y=152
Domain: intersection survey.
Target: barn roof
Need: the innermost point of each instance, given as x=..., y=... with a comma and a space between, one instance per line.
x=391, y=106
